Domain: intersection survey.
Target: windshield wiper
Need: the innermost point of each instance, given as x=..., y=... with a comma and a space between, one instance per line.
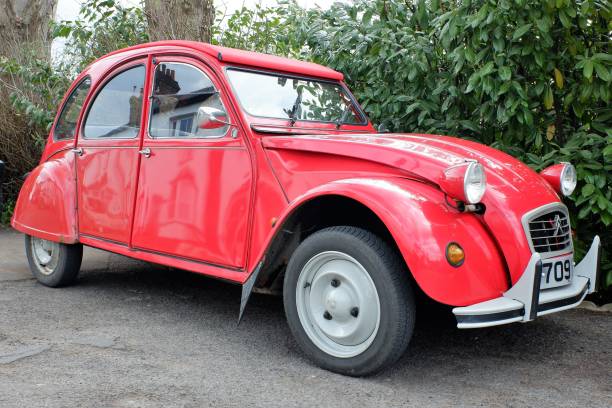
x=294, y=108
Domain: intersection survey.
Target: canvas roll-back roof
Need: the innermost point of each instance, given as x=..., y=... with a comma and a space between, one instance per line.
x=245, y=58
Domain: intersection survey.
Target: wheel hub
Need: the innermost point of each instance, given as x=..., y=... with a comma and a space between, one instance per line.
x=45, y=254
x=338, y=304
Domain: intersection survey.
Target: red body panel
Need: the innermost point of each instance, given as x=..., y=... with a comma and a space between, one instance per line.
x=422, y=226
x=107, y=178
x=46, y=206
x=213, y=206
x=184, y=208
x=241, y=57
x=512, y=187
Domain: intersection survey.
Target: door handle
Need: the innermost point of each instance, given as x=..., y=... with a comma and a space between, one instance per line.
x=146, y=152
x=78, y=151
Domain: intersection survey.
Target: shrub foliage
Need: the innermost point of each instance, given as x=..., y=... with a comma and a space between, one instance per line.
x=530, y=77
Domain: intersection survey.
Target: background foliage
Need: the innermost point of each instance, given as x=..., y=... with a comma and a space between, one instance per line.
x=103, y=26
x=532, y=78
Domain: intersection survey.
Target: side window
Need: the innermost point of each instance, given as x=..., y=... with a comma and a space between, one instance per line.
x=116, y=109
x=179, y=90
x=65, y=128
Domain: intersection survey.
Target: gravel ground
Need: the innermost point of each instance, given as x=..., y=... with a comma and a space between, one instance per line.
x=131, y=334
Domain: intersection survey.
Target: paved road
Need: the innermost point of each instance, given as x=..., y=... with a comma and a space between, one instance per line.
x=131, y=334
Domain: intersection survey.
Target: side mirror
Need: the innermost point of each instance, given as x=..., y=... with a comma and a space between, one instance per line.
x=211, y=118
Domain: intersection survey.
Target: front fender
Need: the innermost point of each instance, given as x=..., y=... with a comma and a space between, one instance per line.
x=46, y=206
x=422, y=225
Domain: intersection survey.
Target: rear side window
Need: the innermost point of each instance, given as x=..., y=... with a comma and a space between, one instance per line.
x=179, y=91
x=65, y=128
x=117, y=108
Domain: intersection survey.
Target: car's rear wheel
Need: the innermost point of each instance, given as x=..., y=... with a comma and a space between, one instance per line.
x=53, y=264
x=348, y=301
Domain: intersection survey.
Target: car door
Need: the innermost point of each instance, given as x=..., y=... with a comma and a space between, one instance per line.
x=194, y=184
x=107, y=155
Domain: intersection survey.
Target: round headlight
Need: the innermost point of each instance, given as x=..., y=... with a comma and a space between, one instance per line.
x=474, y=183
x=568, y=179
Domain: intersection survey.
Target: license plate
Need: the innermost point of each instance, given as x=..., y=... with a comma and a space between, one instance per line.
x=557, y=271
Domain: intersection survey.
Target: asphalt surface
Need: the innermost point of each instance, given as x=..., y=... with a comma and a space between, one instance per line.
x=131, y=334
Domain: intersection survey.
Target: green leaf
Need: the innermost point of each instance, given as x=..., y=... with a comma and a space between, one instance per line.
x=543, y=25
x=602, y=57
x=602, y=203
x=587, y=190
x=498, y=44
x=558, y=78
x=565, y=20
x=548, y=98
x=584, y=211
x=519, y=32
x=587, y=70
x=367, y=17
x=602, y=72
x=505, y=73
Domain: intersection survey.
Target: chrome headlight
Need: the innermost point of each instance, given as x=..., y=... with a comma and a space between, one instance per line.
x=465, y=182
x=568, y=179
x=474, y=183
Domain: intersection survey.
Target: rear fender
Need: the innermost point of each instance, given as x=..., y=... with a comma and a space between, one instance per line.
x=422, y=225
x=46, y=206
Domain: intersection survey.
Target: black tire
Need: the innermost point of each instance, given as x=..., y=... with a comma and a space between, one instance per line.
x=391, y=279
x=66, y=270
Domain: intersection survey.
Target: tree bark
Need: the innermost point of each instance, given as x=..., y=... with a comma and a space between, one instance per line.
x=180, y=19
x=25, y=22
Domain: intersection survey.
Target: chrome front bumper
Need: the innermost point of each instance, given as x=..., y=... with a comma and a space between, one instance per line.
x=525, y=301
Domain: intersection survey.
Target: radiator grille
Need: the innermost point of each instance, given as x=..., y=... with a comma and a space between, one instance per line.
x=550, y=232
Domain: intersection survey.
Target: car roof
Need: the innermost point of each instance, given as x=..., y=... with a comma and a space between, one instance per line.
x=244, y=58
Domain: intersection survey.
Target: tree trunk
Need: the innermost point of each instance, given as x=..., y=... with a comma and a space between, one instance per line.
x=24, y=31
x=25, y=22
x=180, y=19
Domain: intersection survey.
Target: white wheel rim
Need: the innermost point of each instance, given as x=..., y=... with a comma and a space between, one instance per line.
x=337, y=304
x=45, y=254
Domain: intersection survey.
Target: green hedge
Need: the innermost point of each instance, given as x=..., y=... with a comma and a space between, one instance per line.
x=529, y=77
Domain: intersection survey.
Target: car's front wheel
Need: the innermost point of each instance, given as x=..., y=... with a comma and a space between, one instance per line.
x=348, y=301
x=53, y=264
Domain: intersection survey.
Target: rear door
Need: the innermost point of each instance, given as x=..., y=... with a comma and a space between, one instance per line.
x=107, y=155
x=194, y=184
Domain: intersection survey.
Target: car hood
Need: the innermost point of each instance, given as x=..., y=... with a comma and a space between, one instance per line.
x=512, y=187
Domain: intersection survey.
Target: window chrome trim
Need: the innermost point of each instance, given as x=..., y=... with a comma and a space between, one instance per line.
x=547, y=208
x=63, y=108
x=99, y=89
x=149, y=113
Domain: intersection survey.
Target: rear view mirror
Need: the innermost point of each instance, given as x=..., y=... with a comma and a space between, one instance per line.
x=211, y=118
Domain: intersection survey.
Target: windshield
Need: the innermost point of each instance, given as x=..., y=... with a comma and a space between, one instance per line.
x=281, y=97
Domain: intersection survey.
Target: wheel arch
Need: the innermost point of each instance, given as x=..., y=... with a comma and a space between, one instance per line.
x=413, y=218
x=46, y=205
x=310, y=215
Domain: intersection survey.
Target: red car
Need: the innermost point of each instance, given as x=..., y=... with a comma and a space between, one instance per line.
x=265, y=171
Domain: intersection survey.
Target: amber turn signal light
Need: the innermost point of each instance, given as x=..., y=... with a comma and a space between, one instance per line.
x=454, y=254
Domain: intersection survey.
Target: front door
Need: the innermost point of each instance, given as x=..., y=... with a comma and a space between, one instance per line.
x=194, y=184
x=107, y=155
